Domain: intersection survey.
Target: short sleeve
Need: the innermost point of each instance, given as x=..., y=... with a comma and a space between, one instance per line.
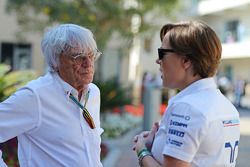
x=186, y=127
x=18, y=114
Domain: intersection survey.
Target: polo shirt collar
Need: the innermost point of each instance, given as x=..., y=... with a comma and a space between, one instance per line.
x=205, y=83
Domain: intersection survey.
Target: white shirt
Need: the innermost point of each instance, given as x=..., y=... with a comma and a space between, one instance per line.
x=50, y=127
x=200, y=126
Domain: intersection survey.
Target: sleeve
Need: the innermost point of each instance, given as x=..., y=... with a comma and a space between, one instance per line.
x=18, y=114
x=186, y=128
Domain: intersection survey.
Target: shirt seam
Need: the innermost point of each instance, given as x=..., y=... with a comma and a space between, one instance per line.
x=169, y=151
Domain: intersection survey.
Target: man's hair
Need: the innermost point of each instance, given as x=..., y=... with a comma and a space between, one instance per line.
x=63, y=37
x=198, y=42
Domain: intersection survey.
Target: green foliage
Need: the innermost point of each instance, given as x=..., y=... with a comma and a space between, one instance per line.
x=113, y=95
x=103, y=17
x=11, y=81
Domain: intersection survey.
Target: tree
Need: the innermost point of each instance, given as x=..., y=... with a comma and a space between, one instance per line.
x=113, y=95
x=103, y=17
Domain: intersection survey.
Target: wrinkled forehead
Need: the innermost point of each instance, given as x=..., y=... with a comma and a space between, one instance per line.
x=79, y=46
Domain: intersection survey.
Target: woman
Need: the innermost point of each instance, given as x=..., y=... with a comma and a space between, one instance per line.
x=200, y=126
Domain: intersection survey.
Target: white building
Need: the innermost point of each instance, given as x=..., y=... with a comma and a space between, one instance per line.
x=24, y=52
x=230, y=20
x=20, y=53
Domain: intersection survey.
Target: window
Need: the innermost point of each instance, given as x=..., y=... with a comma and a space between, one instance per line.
x=231, y=34
x=18, y=56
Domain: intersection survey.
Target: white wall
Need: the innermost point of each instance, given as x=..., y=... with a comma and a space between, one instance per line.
x=217, y=20
x=8, y=30
x=240, y=67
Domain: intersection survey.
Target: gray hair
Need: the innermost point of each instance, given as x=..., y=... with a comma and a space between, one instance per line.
x=63, y=37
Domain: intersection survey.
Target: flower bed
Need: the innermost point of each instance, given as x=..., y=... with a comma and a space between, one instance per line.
x=115, y=125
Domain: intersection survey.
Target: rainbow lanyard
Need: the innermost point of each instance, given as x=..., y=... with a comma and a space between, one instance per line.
x=85, y=112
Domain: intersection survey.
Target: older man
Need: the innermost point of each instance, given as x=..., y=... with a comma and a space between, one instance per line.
x=56, y=117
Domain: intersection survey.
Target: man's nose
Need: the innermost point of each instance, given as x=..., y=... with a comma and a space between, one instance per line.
x=88, y=61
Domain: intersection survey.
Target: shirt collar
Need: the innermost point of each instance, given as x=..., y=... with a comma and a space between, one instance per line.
x=67, y=88
x=205, y=83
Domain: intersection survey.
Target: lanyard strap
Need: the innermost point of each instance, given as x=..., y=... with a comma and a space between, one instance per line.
x=85, y=112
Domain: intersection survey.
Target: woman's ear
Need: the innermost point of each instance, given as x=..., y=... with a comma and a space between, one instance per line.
x=186, y=62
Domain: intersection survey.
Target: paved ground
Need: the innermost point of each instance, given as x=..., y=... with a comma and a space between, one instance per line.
x=123, y=156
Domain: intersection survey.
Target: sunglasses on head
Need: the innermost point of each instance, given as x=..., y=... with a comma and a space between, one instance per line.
x=162, y=52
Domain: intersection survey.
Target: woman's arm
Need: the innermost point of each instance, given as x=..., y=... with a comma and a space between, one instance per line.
x=144, y=155
x=149, y=161
x=173, y=162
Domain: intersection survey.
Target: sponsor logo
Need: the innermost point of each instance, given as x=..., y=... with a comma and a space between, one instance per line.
x=175, y=142
x=175, y=123
x=186, y=117
x=176, y=132
x=232, y=122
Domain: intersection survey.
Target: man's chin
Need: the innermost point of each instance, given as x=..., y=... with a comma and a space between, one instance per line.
x=87, y=81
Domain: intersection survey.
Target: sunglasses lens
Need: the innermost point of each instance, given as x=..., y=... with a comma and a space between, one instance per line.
x=160, y=54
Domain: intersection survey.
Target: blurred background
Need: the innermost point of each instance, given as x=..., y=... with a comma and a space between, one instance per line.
x=127, y=32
